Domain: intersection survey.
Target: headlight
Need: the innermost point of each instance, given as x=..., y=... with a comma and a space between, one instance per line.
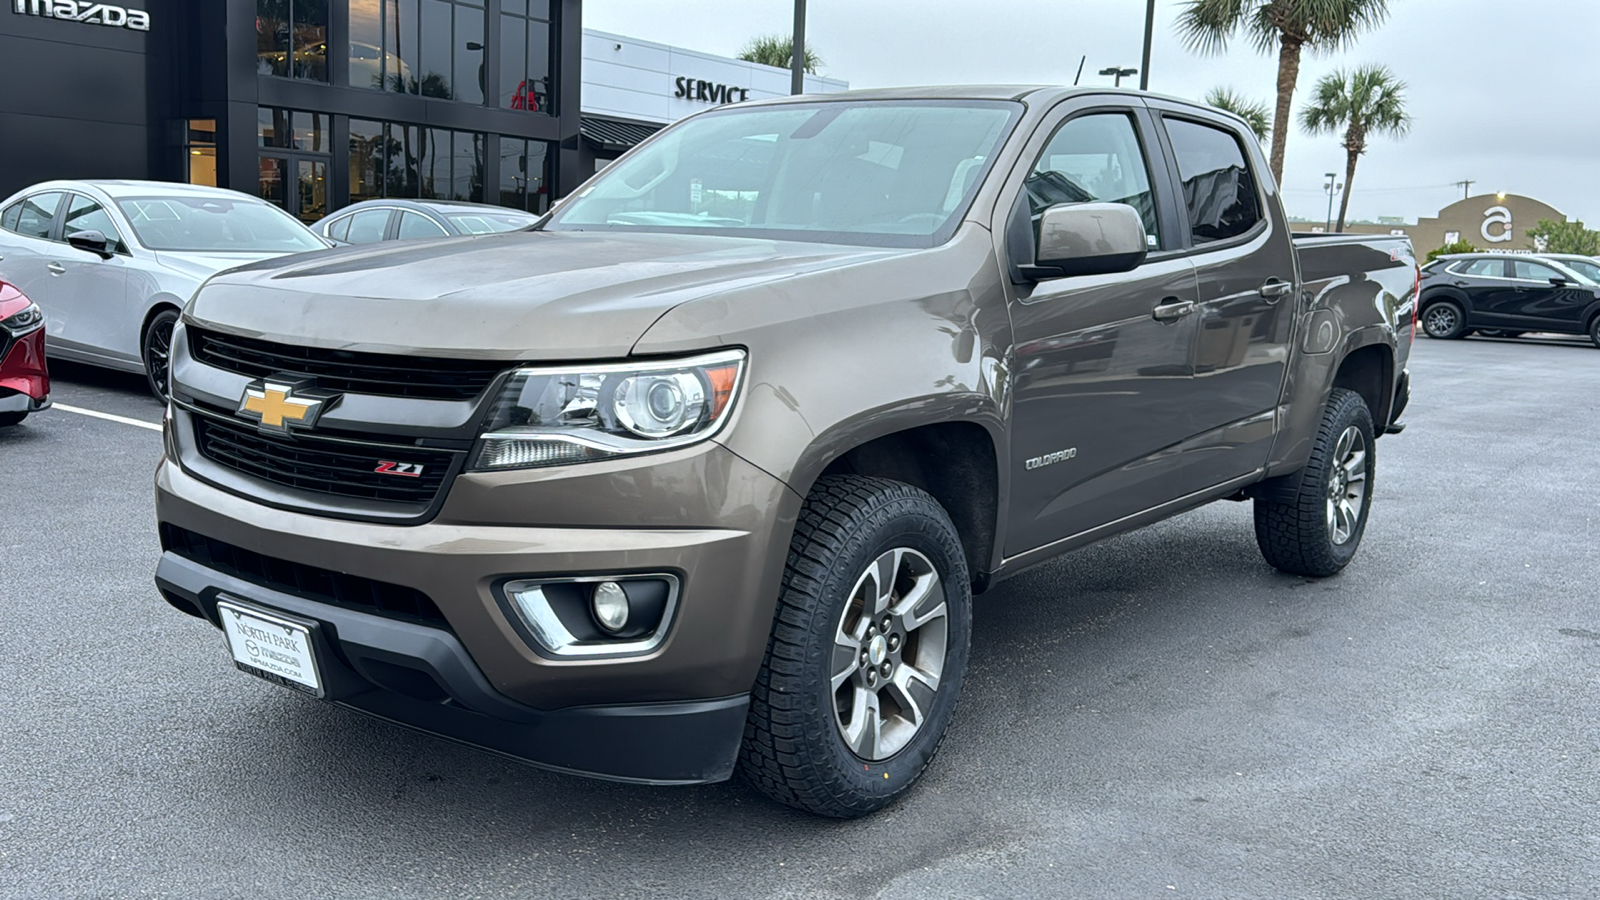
x=556, y=415
x=19, y=324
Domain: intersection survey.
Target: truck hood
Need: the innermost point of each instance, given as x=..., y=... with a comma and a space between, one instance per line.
x=522, y=295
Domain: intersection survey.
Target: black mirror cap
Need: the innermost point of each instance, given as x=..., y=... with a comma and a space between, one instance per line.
x=92, y=241
x=1560, y=280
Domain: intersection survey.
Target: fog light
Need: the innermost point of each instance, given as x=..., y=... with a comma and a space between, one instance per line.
x=610, y=604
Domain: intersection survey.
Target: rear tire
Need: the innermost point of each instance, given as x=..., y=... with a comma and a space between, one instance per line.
x=156, y=351
x=1445, y=320
x=1310, y=522
x=12, y=418
x=846, y=714
x=1594, y=331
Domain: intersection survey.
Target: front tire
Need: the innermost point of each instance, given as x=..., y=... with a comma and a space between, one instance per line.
x=156, y=351
x=868, y=648
x=1444, y=319
x=1310, y=522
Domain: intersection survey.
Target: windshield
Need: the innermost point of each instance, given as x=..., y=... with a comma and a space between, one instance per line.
x=489, y=222
x=216, y=225
x=880, y=173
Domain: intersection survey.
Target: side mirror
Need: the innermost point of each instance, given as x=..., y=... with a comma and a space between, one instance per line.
x=1089, y=239
x=1560, y=280
x=92, y=241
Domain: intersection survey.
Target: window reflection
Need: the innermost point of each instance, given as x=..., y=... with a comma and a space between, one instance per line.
x=524, y=174
x=525, y=57
x=292, y=38
x=409, y=161
x=432, y=48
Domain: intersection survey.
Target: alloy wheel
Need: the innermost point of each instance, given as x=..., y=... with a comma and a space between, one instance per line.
x=1347, y=485
x=889, y=654
x=1441, y=320
x=158, y=355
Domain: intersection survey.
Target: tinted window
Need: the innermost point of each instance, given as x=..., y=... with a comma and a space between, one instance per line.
x=84, y=214
x=35, y=214
x=1585, y=268
x=337, y=228
x=368, y=226
x=1094, y=158
x=413, y=225
x=1482, y=268
x=218, y=225
x=1533, y=271
x=1218, y=187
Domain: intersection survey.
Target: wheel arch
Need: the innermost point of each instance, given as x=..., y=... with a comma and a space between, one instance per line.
x=1430, y=297
x=956, y=461
x=157, y=305
x=1368, y=369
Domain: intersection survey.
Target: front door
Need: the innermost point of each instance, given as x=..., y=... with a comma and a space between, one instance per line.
x=92, y=291
x=1247, y=274
x=1101, y=387
x=297, y=182
x=1540, y=303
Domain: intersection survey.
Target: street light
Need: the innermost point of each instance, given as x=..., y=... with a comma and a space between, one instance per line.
x=1332, y=187
x=1119, y=74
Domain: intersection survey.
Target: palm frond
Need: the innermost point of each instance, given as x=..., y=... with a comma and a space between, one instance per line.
x=1204, y=26
x=778, y=51
x=1255, y=113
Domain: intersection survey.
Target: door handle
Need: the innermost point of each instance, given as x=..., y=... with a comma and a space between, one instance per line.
x=57, y=268
x=1172, y=308
x=1276, y=289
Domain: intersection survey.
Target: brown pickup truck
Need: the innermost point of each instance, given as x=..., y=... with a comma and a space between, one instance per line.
x=700, y=474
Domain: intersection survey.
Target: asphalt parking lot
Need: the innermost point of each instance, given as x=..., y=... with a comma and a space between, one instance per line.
x=1161, y=715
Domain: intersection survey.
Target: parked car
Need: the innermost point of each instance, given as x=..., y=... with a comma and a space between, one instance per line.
x=24, y=378
x=1508, y=295
x=371, y=221
x=703, y=474
x=112, y=262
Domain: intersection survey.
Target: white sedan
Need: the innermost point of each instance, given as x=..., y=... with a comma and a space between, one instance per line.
x=111, y=263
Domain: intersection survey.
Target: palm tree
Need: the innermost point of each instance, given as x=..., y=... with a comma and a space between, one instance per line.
x=1291, y=25
x=778, y=51
x=1253, y=112
x=1368, y=100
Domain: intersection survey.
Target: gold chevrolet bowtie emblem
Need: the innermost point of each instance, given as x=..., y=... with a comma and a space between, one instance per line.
x=276, y=407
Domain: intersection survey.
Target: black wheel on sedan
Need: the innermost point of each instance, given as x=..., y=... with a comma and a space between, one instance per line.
x=1444, y=319
x=1594, y=330
x=1310, y=522
x=156, y=349
x=867, y=651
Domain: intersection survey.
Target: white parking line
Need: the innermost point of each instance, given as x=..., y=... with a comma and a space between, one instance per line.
x=153, y=426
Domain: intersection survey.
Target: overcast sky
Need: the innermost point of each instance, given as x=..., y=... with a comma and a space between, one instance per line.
x=1504, y=92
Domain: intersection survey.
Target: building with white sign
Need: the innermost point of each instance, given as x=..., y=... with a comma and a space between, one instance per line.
x=632, y=87
x=1488, y=221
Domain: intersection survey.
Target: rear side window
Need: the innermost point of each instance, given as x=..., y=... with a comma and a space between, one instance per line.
x=1094, y=158
x=33, y=215
x=413, y=225
x=367, y=226
x=338, y=228
x=1219, y=189
x=1483, y=268
x=8, y=219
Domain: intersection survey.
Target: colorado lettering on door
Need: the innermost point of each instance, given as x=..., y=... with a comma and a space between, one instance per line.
x=709, y=92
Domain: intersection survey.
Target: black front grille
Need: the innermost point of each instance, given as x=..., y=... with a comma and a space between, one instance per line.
x=342, y=468
x=348, y=371
x=310, y=582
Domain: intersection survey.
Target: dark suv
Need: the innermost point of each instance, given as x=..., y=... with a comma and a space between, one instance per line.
x=1507, y=295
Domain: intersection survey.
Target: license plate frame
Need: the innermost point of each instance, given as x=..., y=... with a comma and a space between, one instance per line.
x=272, y=646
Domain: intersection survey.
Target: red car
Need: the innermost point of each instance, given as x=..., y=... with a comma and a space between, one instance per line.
x=24, y=383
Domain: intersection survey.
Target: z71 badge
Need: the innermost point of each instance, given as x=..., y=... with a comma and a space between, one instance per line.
x=410, y=470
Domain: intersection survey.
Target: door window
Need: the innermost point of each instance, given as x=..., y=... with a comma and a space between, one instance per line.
x=1218, y=187
x=1484, y=268
x=368, y=226
x=1532, y=271
x=415, y=225
x=312, y=180
x=1094, y=158
x=84, y=214
x=32, y=217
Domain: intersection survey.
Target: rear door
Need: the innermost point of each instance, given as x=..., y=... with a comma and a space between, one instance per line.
x=1101, y=388
x=1246, y=271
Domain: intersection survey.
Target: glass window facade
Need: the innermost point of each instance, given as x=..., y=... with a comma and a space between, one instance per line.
x=200, y=152
x=292, y=38
x=434, y=48
x=292, y=129
x=410, y=161
x=524, y=65
x=524, y=174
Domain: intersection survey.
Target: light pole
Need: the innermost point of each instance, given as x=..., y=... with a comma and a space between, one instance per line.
x=797, y=63
x=1332, y=187
x=1119, y=74
x=1149, y=31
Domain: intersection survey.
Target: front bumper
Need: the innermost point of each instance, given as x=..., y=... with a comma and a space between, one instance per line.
x=423, y=678
x=12, y=402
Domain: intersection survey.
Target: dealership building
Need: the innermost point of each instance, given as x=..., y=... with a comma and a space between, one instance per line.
x=315, y=104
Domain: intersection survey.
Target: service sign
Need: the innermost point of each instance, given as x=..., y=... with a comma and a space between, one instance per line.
x=85, y=12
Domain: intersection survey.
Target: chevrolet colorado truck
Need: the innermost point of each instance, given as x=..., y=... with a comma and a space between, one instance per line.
x=701, y=473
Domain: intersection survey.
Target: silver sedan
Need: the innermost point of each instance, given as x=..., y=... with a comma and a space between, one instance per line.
x=112, y=262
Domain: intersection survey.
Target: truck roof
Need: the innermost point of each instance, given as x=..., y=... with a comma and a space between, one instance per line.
x=1038, y=92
